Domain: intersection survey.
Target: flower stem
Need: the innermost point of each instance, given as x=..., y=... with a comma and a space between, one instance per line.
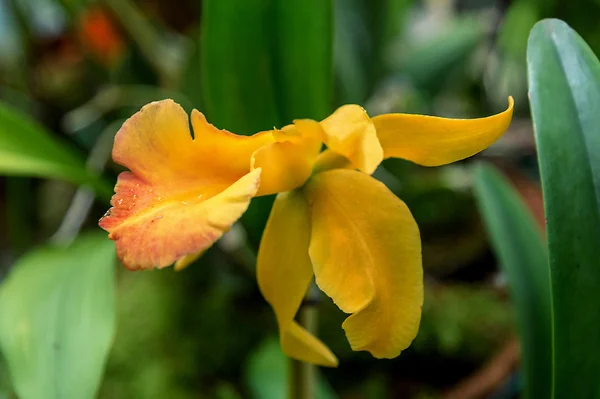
x=302, y=383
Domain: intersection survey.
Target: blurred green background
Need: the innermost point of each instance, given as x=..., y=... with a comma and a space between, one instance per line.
x=80, y=68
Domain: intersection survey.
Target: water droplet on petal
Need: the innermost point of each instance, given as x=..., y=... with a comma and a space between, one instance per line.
x=120, y=201
x=184, y=203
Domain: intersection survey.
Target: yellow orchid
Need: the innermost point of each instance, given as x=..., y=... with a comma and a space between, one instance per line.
x=330, y=219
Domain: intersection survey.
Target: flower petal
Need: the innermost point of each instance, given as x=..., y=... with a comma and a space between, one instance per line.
x=284, y=273
x=156, y=145
x=288, y=162
x=366, y=255
x=187, y=260
x=285, y=166
x=181, y=193
x=331, y=160
x=350, y=132
x=433, y=141
x=155, y=233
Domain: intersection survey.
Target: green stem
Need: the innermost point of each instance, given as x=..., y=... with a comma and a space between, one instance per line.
x=303, y=375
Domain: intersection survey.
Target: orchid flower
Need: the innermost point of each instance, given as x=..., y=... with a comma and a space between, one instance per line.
x=331, y=220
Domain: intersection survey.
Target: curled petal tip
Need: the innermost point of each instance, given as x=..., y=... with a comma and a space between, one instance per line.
x=433, y=141
x=180, y=194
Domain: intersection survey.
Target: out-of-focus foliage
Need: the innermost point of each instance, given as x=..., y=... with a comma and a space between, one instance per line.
x=267, y=374
x=79, y=68
x=523, y=256
x=564, y=84
x=57, y=319
x=457, y=317
x=269, y=64
x=27, y=149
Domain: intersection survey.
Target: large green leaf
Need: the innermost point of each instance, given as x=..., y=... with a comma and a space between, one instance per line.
x=266, y=62
x=27, y=149
x=521, y=250
x=303, y=58
x=263, y=64
x=564, y=88
x=57, y=319
x=237, y=65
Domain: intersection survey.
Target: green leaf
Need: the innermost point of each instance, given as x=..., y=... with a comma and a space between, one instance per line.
x=429, y=64
x=266, y=62
x=267, y=374
x=27, y=149
x=521, y=250
x=57, y=319
x=516, y=24
x=350, y=54
x=303, y=61
x=564, y=89
x=237, y=65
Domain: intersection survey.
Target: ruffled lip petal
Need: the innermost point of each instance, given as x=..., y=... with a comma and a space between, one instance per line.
x=181, y=194
x=159, y=232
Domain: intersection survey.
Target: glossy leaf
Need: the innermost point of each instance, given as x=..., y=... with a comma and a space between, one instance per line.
x=564, y=89
x=27, y=149
x=303, y=63
x=522, y=254
x=57, y=319
x=237, y=66
x=266, y=62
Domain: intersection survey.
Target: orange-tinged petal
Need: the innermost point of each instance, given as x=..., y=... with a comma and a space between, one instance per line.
x=181, y=193
x=366, y=255
x=155, y=233
x=433, y=141
x=350, y=132
x=156, y=145
x=284, y=273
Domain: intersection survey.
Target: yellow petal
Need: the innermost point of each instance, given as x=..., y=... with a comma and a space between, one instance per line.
x=155, y=144
x=285, y=166
x=433, y=141
x=331, y=160
x=350, y=132
x=288, y=162
x=181, y=193
x=366, y=255
x=187, y=260
x=284, y=273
